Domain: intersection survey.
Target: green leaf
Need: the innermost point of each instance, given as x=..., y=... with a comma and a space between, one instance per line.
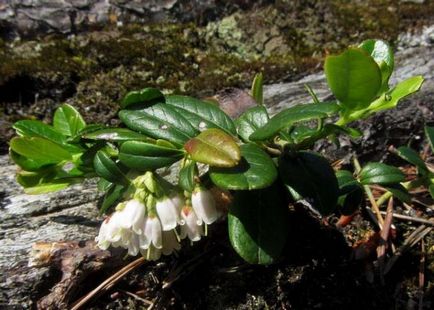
x=257, y=92
x=256, y=170
x=50, y=187
x=429, y=132
x=111, y=197
x=288, y=117
x=32, y=128
x=250, y=121
x=147, y=156
x=379, y=173
x=311, y=176
x=346, y=181
x=354, y=78
x=67, y=120
x=27, y=163
x=146, y=97
x=258, y=225
x=413, y=157
x=187, y=176
x=390, y=99
x=39, y=149
x=201, y=114
x=104, y=185
x=215, y=148
x=160, y=121
x=382, y=53
x=116, y=134
x=106, y=168
x=399, y=192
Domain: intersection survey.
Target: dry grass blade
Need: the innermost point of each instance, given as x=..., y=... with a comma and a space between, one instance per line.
x=108, y=283
x=421, y=274
x=412, y=219
x=384, y=236
x=412, y=240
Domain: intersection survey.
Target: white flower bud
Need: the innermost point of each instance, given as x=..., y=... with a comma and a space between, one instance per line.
x=133, y=216
x=204, y=205
x=168, y=213
x=192, y=225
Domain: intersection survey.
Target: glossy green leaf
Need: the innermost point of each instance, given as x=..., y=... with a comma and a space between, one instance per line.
x=390, y=99
x=201, y=114
x=346, y=181
x=33, y=178
x=147, y=156
x=112, y=196
x=258, y=225
x=160, y=121
x=67, y=120
x=116, y=134
x=399, y=192
x=257, y=89
x=39, y=149
x=187, y=176
x=412, y=157
x=27, y=163
x=256, y=170
x=429, y=132
x=382, y=53
x=379, y=173
x=145, y=97
x=103, y=185
x=32, y=128
x=250, y=121
x=354, y=78
x=215, y=148
x=288, y=117
x=106, y=168
x=311, y=176
x=50, y=187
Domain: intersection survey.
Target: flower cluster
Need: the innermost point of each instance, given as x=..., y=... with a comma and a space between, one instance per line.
x=152, y=224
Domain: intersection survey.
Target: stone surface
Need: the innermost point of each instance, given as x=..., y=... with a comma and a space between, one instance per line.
x=29, y=18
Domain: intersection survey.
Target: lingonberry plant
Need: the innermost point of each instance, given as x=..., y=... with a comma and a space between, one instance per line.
x=263, y=162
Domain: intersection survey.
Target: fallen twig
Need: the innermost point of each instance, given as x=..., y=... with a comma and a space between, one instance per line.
x=412, y=218
x=108, y=283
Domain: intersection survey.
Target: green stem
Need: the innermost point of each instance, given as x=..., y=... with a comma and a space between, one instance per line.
x=407, y=185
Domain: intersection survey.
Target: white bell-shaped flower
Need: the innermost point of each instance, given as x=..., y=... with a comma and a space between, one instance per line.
x=152, y=253
x=133, y=215
x=191, y=225
x=204, y=205
x=152, y=234
x=168, y=213
x=170, y=243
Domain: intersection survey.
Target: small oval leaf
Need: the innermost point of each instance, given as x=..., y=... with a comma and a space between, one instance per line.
x=256, y=170
x=160, y=121
x=250, y=121
x=116, y=134
x=67, y=120
x=413, y=157
x=106, y=168
x=215, y=148
x=146, y=156
x=298, y=113
x=258, y=225
x=39, y=149
x=379, y=173
x=354, y=78
x=146, y=97
x=311, y=177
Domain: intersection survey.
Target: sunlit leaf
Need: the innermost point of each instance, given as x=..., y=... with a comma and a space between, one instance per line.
x=201, y=114
x=67, y=120
x=354, y=78
x=250, y=121
x=215, y=148
x=379, y=173
x=255, y=170
x=257, y=92
x=116, y=134
x=145, y=97
x=39, y=149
